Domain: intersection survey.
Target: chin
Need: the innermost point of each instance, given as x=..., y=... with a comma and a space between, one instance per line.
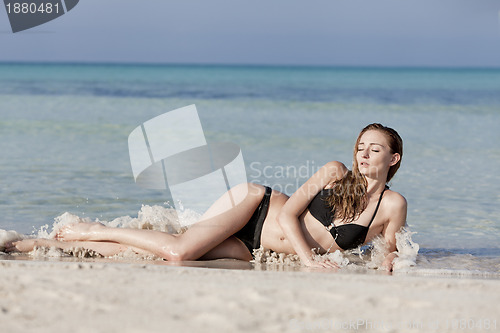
x=363, y=173
x=363, y=170
x=366, y=172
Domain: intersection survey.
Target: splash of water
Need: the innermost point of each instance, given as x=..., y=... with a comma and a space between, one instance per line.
x=149, y=217
x=356, y=259
x=167, y=220
x=407, y=251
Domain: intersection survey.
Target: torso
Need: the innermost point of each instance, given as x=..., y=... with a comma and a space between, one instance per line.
x=316, y=234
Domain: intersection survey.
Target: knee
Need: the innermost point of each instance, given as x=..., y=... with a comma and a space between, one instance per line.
x=245, y=191
x=252, y=190
x=174, y=252
x=242, y=189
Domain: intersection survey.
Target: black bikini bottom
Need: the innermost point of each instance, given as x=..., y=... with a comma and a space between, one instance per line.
x=250, y=233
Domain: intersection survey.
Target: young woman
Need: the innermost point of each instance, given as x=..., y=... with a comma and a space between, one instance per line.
x=336, y=209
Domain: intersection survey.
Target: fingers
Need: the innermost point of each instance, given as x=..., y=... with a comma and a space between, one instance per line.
x=329, y=264
x=387, y=267
x=323, y=264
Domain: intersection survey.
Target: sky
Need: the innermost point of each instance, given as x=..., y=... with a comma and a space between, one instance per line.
x=451, y=33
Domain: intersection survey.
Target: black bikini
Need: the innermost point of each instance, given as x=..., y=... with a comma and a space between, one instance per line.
x=250, y=233
x=347, y=236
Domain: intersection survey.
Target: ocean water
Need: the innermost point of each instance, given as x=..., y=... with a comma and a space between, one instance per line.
x=64, y=131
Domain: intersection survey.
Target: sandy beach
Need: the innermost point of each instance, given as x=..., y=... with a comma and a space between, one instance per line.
x=144, y=296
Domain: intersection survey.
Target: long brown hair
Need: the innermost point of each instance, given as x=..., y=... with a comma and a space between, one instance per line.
x=348, y=199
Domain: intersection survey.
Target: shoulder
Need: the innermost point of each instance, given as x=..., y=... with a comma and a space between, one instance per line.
x=395, y=209
x=395, y=200
x=395, y=206
x=335, y=169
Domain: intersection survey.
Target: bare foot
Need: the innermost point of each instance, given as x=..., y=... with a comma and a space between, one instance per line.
x=25, y=245
x=78, y=231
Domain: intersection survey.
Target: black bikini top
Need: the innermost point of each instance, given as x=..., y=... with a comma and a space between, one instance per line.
x=347, y=236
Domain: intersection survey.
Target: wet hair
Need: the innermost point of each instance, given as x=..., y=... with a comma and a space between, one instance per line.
x=395, y=145
x=348, y=199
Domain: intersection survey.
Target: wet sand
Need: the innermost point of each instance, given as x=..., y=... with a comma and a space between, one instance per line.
x=76, y=295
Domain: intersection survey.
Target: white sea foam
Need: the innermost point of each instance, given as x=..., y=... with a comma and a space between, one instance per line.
x=263, y=256
x=149, y=217
x=166, y=219
x=407, y=251
x=361, y=258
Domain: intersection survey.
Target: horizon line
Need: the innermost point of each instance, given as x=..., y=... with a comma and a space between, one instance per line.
x=242, y=65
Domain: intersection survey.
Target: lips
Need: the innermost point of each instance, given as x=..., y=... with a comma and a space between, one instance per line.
x=364, y=164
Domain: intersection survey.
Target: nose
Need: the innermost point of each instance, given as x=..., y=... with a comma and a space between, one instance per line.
x=365, y=153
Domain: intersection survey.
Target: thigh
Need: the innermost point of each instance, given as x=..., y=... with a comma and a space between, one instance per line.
x=233, y=198
x=219, y=223
x=231, y=248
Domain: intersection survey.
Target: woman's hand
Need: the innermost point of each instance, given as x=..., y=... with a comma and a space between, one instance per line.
x=388, y=262
x=320, y=264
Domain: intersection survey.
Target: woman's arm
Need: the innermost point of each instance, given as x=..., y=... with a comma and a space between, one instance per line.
x=397, y=208
x=288, y=218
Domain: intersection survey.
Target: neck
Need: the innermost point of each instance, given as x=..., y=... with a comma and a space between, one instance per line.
x=374, y=186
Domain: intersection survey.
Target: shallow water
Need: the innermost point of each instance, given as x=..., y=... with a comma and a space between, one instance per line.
x=64, y=130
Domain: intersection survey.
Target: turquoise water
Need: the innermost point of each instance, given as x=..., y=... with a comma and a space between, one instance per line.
x=64, y=130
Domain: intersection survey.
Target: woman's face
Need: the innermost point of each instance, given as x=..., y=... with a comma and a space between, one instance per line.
x=374, y=157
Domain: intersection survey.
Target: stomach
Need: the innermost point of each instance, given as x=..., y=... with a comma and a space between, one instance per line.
x=273, y=237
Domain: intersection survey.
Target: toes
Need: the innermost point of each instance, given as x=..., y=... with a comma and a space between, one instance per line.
x=10, y=247
x=60, y=233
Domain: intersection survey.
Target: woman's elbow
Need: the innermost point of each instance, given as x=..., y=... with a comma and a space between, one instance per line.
x=283, y=219
x=279, y=219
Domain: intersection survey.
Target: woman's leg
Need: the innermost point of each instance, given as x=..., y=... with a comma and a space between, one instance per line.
x=231, y=248
x=105, y=249
x=226, y=216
